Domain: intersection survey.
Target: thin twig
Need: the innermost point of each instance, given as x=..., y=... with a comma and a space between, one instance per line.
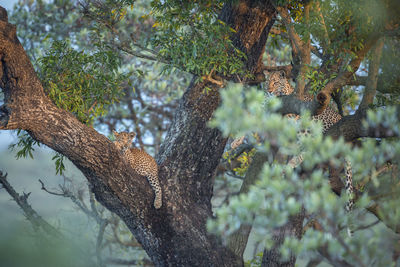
x=327, y=40
x=68, y=194
x=378, y=172
x=337, y=236
x=50, y=192
x=363, y=227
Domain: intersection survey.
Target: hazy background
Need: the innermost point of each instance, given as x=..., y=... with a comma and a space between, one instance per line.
x=23, y=174
x=16, y=232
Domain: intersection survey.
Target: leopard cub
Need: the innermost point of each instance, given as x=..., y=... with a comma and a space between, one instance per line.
x=141, y=162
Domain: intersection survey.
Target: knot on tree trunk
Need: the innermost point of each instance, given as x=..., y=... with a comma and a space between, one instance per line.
x=323, y=100
x=4, y=116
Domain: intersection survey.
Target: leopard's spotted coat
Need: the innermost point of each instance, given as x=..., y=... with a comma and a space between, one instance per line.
x=278, y=85
x=141, y=162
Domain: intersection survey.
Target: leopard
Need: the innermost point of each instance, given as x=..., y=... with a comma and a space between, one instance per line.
x=141, y=162
x=278, y=85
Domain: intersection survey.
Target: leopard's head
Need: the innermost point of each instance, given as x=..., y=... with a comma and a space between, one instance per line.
x=278, y=84
x=123, y=140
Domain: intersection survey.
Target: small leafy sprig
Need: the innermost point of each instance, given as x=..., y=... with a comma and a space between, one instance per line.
x=26, y=143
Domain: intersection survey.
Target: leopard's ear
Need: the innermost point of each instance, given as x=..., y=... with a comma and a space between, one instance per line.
x=132, y=135
x=115, y=133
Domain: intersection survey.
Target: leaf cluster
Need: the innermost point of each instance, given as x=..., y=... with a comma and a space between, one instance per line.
x=26, y=143
x=282, y=191
x=190, y=36
x=84, y=84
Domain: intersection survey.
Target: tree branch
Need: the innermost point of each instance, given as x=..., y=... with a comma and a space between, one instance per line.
x=375, y=209
x=130, y=51
x=33, y=217
x=99, y=241
x=113, y=181
x=303, y=49
x=327, y=41
x=294, y=227
x=343, y=77
x=294, y=37
x=372, y=80
x=357, y=80
x=316, y=52
x=292, y=105
x=351, y=128
x=333, y=260
x=188, y=156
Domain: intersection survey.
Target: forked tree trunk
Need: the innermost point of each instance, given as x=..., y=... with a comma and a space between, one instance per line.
x=176, y=234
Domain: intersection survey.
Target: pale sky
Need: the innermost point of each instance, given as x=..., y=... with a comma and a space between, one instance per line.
x=7, y=4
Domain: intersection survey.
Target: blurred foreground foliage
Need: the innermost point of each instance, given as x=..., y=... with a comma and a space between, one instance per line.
x=282, y=192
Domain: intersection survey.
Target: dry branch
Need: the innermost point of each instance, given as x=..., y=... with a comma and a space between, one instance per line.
x=33, y=217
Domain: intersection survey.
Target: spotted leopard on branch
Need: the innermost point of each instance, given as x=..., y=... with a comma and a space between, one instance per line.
x=141, y=162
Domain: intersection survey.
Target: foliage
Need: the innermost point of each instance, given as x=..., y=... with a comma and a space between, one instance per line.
x=41, y=22
x=282, y=191
x=26, y=143
x=26, y=148
x=344, y=24
x=256, y=261
x=190, y=36
x=244, y=159
x=89, y=48
x=59, y=161
x=389, y=80
x=81, y=83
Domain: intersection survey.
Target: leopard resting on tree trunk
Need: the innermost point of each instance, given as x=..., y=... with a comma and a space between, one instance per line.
x=141, y=162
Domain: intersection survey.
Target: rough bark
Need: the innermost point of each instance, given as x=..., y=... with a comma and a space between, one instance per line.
x=252, y=20
x=273, y=257
x=351, y=127
x=372, y=80
x=176, y=234
x=301, y=51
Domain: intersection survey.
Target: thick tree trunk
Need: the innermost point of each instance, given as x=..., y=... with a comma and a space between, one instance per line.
x=176, y=234
x=273, y=257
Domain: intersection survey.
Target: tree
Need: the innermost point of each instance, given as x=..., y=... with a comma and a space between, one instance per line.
x=217, y=42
